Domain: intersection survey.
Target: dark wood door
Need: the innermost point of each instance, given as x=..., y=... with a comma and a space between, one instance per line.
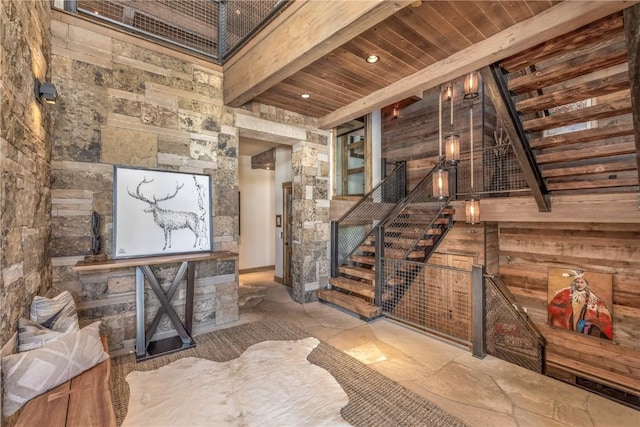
x=287, y=236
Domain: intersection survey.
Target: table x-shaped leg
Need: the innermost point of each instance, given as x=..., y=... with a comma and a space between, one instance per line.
x=143, y=338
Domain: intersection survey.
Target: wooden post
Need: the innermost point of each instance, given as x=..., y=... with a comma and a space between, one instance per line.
x=631, y=17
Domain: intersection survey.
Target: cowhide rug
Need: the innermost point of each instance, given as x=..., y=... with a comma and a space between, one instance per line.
x=270, y=384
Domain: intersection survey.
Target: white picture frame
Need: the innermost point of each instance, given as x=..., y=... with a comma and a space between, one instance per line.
x=160, y=212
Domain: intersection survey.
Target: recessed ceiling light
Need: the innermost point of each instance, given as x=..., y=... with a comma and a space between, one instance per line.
x=372, y=59
x=305, y=96
x=238, y=12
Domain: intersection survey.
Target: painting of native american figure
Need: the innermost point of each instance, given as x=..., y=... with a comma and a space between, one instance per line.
x=581, y=301
x=160, y=212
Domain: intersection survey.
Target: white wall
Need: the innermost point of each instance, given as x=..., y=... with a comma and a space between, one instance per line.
x=282, y=174
x=376, y=147
x=257, y=216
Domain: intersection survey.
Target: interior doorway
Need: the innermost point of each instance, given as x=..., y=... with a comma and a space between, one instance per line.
x=287, y=231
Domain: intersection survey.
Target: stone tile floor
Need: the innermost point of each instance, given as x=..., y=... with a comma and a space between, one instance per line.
x=487, y=392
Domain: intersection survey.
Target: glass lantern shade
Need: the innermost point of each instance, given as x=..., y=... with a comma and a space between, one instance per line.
x=441, y=184
x=452, y=148
x=472, y=211
x=471, y=85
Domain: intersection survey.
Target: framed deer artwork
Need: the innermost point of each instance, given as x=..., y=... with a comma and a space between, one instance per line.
x=160, y=212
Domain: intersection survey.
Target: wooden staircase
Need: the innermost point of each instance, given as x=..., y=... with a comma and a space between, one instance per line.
x=412, y=235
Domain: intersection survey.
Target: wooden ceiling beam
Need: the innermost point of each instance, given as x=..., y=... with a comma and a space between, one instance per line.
x=296, y=40
x=632, y=30
x=553, y=22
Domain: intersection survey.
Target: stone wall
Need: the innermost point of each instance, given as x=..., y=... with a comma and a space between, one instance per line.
x=25, y=129
x=310, y=182
x=25, y=198
x=125, y=101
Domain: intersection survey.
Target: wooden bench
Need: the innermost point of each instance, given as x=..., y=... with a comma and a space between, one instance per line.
x=83, y=401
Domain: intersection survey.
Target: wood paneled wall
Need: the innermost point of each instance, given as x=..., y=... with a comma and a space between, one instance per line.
x=527, y=250
x=464, y=239
x=413, y=136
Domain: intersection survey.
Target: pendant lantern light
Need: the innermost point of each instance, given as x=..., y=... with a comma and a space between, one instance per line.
x=472, y=204
x=440, y=176
x=471, y=85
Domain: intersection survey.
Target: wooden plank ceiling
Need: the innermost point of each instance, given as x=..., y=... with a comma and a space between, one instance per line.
x=406, y=42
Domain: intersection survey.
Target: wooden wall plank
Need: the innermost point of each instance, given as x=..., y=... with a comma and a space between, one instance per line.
x=527, y=250
x=584, y=64
x=592, y=208
x=616, y=104
x=632, y=32
x=594, y=33
x=605, y=131
x=578, y=92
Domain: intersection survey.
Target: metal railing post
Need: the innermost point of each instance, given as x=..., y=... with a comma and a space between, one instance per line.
x=402, y=182
x=479, y=317
x=222, y=30
x=379, y=233
x=453, y=179
x=334, y=248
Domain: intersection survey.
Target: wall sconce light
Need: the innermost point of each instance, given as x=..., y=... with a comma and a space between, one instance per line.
x=441, y=184
x=472, y=210
x=452, y=147
x=471, y=85
x=396, y=112
x=46, y=92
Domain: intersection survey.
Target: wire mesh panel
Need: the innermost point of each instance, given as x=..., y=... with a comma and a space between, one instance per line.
x=496, y=172
x=243, y=18
x=407, y=228
x=430, y=297
x=508, y=334
x=358, y=223
x=188, y=23
x=210, y=27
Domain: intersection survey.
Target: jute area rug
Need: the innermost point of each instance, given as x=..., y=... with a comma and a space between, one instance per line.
x=374, y=400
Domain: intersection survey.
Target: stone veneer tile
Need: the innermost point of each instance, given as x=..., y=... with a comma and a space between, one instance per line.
x=127, y=147
x=128, y=50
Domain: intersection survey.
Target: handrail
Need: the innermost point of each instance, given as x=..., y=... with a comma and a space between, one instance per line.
x=348, y=232
x=421, y=193
x=399, y=169
x=506, y=293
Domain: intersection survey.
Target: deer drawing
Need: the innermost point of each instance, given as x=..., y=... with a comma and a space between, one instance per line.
x=170, y=220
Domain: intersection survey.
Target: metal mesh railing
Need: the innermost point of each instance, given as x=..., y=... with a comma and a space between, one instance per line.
x=496, y=172
x=430, y=297
x=243, y=18
x=192, y=24
x=510, y=335
x=211, y=27
x=373, y=208
x=411, y=221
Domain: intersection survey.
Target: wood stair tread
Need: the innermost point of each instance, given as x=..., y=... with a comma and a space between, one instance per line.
x=399, y=253
x=407, y=242
x=369, y=260
x=360, y=288
x=364, y=273
x=349, y=302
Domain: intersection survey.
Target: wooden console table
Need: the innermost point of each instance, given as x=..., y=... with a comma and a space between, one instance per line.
x=145, y=348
